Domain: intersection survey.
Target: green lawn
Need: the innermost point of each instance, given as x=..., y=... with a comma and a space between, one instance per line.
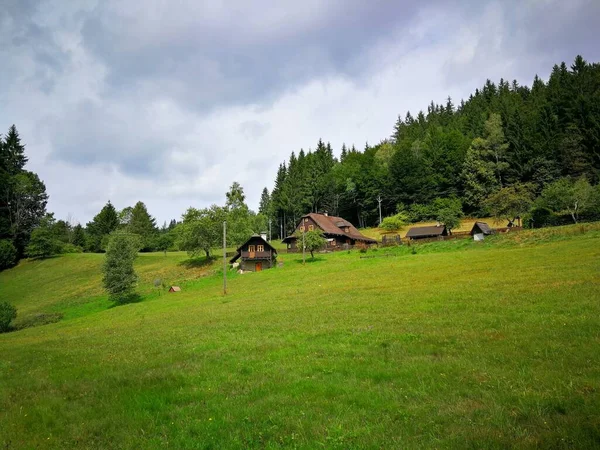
x=461, y=345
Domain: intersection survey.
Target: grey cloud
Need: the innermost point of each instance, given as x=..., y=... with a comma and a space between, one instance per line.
x=207, y=63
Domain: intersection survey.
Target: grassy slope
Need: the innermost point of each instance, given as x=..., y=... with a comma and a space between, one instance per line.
x=71, y=284
x=461, y=345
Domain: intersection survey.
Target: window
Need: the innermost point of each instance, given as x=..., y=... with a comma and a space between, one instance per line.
x=251, y=248
x=302, y=228
x=311, y=227
x=305, y=219
x=260, y=248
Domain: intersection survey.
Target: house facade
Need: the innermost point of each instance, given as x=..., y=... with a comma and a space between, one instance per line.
x=255, y=254
x=339, y=232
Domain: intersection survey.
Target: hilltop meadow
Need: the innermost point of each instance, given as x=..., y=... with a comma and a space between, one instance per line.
x=446, y=344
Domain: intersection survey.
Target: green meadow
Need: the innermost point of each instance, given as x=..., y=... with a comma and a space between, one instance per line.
x=452, y=344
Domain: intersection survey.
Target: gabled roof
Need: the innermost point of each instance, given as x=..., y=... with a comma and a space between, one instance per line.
x=254, y=236
x=334, y=226
x=430, y=231
x=483, y=227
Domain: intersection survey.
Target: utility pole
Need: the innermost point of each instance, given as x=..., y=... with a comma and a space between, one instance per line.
x=269, y=229
x=379, y=200
x=225, y=257
x=303, y=249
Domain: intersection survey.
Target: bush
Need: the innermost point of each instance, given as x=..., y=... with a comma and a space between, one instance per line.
x=7, y=314
x=8, y=254
x=543, y=217
x=394, y=223
x=71, y=248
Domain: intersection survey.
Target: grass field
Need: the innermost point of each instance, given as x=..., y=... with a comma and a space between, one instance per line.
x=461, y=345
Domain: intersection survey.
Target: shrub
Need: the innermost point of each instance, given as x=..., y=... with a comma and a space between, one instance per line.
x=394, y=223
x=71, y=248
x=7, y=314
x=543, y=217
x=8, y=254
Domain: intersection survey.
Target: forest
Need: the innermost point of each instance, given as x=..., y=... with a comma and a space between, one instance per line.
x=503, y=137
x=510, y=151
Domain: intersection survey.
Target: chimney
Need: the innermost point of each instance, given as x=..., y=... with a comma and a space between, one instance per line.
x=326, y=213
x=263, y=234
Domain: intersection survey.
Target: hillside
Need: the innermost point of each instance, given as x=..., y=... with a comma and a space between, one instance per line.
x=462, y=344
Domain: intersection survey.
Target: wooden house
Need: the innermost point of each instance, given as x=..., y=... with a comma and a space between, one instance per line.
x=338, y=231
x=480, y=230
x=434, y=231
x=255, y=254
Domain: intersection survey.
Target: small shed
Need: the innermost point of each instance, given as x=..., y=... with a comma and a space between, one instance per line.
x=480, y=230
x=427, y=232
x=174, y=289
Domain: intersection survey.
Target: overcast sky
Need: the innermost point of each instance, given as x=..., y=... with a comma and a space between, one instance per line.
x=169, y=102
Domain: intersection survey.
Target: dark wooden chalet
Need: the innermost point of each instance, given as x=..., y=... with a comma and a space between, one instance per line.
x=427, y=232
x=255, y=254
x=338, y=231
x=481, y=228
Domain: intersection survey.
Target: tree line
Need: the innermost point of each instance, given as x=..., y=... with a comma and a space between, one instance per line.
x=505, y=143
x=510, y=151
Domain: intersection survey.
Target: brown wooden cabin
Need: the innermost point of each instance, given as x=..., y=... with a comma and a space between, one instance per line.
x=338, y=232
x=434, y=231
x=255, y=254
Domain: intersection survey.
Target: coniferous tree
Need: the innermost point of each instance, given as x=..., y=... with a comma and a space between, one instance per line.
x=104, y=223
x=264, y=206
x=144, y=225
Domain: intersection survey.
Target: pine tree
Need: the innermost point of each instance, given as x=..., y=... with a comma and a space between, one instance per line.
x=13, y=152
x=119, y=275
x=264, y=206
x=104, y=223
x=78, y=236
x=144, y=225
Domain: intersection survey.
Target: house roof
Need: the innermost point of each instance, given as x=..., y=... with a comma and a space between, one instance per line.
x=333, y=225
x=254, y=236
x=483, y=226
x=430, y=231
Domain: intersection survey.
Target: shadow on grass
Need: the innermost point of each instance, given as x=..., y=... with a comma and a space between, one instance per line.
x=194, y=263
x=43, y=258
x=132, y=298
x=310, y=260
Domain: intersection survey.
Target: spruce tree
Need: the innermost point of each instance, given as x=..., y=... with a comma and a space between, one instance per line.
x=264, y=206
x=104, y=223
x=119, y=275
x=144, y=225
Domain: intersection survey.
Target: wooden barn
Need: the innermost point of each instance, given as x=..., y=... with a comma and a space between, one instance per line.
x=255, y=254
x=338, y=231
x=480, y=230
x=429, y=232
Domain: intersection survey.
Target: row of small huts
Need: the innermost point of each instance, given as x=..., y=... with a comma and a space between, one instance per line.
x=257, y=253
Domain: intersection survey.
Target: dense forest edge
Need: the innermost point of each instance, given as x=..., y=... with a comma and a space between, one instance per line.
x=523, y=154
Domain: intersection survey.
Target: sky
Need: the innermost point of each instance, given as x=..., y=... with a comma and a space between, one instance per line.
x=171, y=101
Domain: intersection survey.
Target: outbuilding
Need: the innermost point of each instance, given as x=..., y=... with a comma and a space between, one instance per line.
x=429, y=232
x=174, y=289
x=480, y=230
